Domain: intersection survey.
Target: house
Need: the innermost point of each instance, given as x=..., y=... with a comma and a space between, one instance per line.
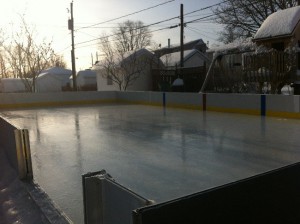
x=280, y=30
x=53, y=80
x=132, y=71
x=191, y=58
x=86, y=80
x=195, y=44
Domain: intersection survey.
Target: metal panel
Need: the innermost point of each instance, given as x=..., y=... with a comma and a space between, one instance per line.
x=107, y=202
x=271, y=197
x=23, y=154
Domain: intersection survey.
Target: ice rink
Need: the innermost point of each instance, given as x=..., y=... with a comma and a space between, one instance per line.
x=159, y=154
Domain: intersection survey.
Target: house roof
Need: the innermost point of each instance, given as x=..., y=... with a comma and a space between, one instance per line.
x=279, y=24
x=173, y=59
x=195, y=44
x=128, y=56
x=192, y=43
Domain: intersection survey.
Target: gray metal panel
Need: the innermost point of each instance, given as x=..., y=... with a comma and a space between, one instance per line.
x=107, y=202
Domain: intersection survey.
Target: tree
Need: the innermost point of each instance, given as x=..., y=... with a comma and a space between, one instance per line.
x=23, y=56
x=122, y=64
x=243, y=18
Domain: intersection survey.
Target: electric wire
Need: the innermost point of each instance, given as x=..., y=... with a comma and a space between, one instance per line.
x=130, y=14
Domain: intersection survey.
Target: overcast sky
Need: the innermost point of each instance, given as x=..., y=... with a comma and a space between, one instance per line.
x=50, y=19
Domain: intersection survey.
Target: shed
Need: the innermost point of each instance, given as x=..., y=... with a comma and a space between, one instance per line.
x=86, y=80
x=53, y=80
x=12, y=85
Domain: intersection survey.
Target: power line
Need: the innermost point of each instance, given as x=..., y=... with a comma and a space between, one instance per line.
x=130, y=14
x=156, y=23
x=166, y=20
x=165, y=28
x=207, y=7
x=201, y=9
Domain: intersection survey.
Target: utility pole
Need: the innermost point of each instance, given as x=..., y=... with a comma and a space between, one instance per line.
x=71, y=27
x=181, y=36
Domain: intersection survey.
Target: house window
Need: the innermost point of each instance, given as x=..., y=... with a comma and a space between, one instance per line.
x=109, y=81
x=279, y=46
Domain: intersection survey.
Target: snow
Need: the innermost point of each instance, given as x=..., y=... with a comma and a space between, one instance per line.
x=240, y=45
x=280, y=23
x=57, y=71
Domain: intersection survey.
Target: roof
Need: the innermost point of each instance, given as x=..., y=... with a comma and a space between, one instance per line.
x=128, y=56
x=57, y=71
x=195, y=44
x=278, y=24
x=86, y=73
x=174, y=58
x=192, y=43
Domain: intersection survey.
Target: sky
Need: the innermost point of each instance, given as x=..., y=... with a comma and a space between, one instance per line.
x=50, y=20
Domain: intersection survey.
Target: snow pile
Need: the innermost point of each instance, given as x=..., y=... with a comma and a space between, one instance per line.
x=280, y=23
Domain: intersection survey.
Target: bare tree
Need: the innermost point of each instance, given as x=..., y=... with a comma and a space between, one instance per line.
x=130, y=36
x=122, y=63
x=25, y=57
x=243, y=18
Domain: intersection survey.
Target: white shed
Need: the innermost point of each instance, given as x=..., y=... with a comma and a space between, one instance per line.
x=12, y=85
x=86, y=80
x=53, y=80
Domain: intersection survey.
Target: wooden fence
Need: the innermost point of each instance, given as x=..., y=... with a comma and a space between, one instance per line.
x=193, y=78
x=274, y=68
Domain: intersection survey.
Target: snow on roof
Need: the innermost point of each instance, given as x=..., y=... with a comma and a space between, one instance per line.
x=57, y=71
x=239, y=45
x=174, y=58
x=280, y=23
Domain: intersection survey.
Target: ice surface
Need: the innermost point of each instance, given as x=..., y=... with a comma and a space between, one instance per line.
x=158, y=155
